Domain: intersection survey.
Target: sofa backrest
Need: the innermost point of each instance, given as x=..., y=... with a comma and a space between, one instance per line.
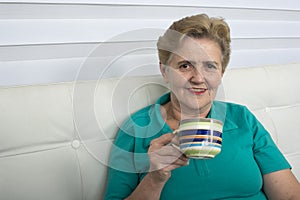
x=55, y=139
x=273, y=94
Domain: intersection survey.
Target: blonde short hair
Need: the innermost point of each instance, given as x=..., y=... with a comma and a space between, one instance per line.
x=196, y=26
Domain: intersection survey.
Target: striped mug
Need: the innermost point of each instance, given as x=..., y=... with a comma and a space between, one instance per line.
x=200, y=138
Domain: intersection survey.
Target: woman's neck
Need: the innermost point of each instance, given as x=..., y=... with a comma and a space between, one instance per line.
x=180, y=111
x=172, y=114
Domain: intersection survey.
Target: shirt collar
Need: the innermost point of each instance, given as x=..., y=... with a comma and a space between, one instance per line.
x=219, y=111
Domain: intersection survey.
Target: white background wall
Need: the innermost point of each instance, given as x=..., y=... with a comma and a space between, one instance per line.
x=43, y=41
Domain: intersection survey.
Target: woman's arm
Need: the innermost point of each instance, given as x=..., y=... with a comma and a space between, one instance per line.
x=163, y=159
x=281, y=185
x=147, y=189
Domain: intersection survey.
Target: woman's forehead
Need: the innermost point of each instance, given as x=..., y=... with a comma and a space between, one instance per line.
x=197, y=50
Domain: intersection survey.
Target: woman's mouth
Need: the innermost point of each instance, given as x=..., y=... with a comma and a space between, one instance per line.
x=197, y=91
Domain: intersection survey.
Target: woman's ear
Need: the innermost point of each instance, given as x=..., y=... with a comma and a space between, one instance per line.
x=163, y=69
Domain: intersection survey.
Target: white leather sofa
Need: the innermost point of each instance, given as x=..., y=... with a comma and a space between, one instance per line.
x=55, y=138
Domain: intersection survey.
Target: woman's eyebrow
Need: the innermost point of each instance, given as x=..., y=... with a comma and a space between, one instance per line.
x=194, y=63
x=211, y=62
x=186, y=62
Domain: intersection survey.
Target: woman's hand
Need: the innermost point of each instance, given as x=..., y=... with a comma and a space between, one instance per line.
x=164, y=157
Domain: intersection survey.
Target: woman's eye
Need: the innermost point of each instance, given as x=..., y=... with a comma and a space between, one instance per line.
x=185, y=67
x=211, y=65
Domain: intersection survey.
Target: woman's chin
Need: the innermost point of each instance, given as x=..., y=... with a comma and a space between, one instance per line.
x=196, y=108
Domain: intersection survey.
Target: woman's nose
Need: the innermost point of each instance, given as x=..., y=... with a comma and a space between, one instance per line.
x=197, y=75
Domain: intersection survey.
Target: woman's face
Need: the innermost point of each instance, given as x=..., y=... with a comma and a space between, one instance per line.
x=194, y=73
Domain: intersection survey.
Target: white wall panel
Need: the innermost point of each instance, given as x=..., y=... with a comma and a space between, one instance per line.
x=103, y=11
x=22, y=32
x=41, y=31
x=48, y=40
x=270, y=4
x=70, y=69
x=83, y=50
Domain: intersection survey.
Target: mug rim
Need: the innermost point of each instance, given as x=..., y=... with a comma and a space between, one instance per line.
x=201, y=119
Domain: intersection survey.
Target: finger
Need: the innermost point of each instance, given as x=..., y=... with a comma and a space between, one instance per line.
x=182, y=161
x=167, y=150
x=170, y=166
x=167, y=155
x=175, y=141
x=162, y=140
x=178, y=163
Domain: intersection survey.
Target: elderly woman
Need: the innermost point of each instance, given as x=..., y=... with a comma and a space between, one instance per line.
x=194, y=53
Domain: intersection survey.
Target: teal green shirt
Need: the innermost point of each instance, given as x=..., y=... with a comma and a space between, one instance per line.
x=248, y=152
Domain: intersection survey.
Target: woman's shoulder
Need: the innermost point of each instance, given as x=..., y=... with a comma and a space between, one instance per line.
x=231, y=106
x=234, y=110
x=142, y=113
x=140, y=117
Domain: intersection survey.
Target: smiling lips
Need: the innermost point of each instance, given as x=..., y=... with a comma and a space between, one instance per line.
x=197, y=91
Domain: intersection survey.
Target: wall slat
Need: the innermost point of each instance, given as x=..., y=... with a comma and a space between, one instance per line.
x=81, y=50
x=258, y=4
x=22, y=32
x=171, y=12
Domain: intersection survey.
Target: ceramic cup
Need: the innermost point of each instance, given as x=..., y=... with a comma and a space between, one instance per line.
x=200, y=138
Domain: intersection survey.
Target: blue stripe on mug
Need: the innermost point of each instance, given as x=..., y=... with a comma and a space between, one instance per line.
x=199, y=132
x=183, y=146
x=199, y=140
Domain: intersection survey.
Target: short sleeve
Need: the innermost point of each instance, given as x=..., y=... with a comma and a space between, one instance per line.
x=266, y=153
x=120, y=165
x=128, y=157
